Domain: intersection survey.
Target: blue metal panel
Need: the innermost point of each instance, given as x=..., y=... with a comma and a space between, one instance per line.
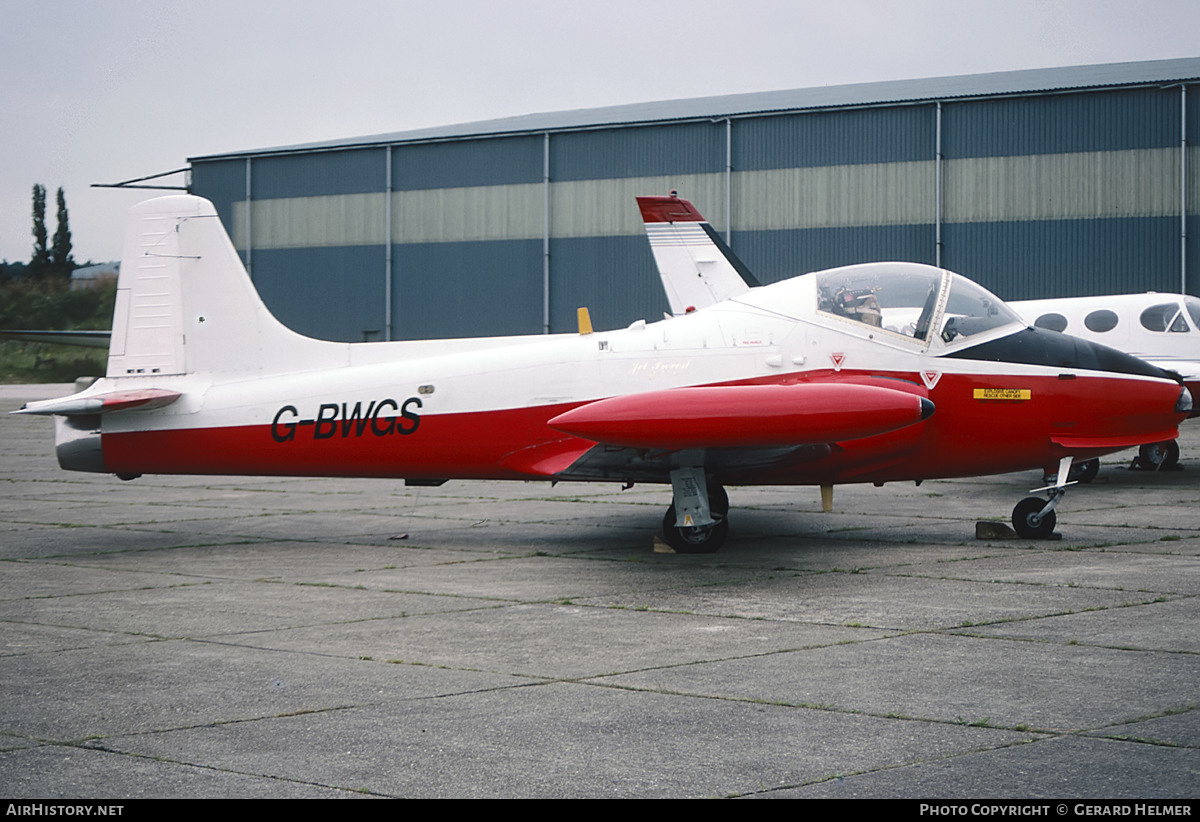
x=328, y=293
x=778, y=255
x=495, y=161
x=833, y=138
x=477, y=289
x=1058, y=123
x=303, y=175
x=223, y=182
x=1193, y=259
x=689, y=148
x=1066, y=258
x=613, y=277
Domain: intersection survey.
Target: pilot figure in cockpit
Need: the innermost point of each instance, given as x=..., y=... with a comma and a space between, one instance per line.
x=861, y=305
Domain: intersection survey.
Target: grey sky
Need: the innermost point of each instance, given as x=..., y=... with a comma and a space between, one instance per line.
x=105, y=91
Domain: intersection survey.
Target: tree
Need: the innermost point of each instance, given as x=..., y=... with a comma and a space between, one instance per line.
x=40, y=261
x=60, y=251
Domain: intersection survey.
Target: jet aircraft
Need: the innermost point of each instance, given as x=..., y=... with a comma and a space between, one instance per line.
x=877, y=373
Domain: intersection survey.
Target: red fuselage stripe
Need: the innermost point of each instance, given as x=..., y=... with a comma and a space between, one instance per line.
x=982, y=425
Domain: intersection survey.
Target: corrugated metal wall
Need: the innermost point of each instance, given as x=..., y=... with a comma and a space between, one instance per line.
x=1035, y=196
x=467, y=289
x=833, y=138
x=1060, y=123
x=1066, y=194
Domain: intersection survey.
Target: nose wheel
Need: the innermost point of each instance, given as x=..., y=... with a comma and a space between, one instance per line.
x=1034, y=517
x=1030, y=519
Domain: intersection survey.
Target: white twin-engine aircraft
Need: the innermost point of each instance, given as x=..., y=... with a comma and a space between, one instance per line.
x=868, y=373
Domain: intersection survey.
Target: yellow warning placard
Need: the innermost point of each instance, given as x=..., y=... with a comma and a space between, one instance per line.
x=1002, y=393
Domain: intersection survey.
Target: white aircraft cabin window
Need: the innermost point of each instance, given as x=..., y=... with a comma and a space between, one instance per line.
x=1101, y=320
x=1164, y=317
x=1052, y=322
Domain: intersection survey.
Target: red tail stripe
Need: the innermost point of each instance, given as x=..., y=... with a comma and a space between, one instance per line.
x=668, y=210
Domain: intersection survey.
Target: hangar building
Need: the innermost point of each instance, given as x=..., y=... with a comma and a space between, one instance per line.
x=1039, y=183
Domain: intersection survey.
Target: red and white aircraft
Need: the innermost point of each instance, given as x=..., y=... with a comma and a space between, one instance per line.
x=868, y=373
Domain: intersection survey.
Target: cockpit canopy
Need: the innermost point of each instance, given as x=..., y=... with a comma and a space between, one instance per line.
x=924, y=304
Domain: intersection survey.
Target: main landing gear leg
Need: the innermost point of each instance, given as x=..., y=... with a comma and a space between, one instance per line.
x=696, y=522
x=1033, y=517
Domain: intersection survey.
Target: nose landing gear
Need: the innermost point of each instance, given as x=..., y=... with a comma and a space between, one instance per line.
x=1034, y=517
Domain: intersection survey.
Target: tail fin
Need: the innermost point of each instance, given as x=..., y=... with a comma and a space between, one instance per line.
x=696, y=266
x=185, y=304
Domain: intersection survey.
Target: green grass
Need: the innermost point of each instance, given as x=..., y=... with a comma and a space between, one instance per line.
x=23, y=362
x=51, y=305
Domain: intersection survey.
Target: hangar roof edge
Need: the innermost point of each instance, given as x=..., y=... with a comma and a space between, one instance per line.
x=1002, y=83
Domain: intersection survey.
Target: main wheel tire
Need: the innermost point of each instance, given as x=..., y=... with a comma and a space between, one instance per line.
x=1085, y=471
x=718, y=501
x=1024, y=523
x=701, y=540
x=1159, y=456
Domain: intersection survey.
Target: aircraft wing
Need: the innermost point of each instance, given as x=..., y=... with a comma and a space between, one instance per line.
x=86, y=339
x=697, y=268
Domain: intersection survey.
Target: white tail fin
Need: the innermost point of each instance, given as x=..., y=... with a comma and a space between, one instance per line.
x=697, y=268
x=185, y=304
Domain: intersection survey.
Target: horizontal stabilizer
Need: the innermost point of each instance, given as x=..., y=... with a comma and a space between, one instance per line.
x=745, y=416
x=76, y=405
